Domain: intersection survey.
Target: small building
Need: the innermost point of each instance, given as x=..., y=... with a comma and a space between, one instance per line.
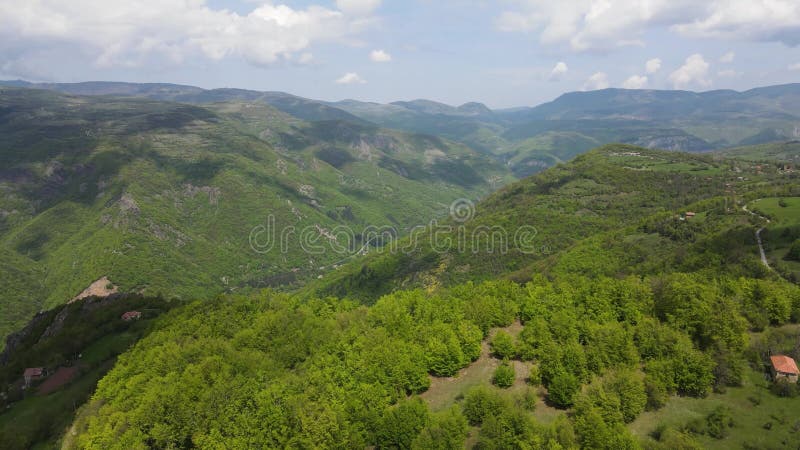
x=784, y=368
x=689, y=214
x=131, y=315
x=33, y=373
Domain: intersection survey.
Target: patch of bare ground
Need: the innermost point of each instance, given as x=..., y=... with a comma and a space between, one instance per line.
x=444, y=391
x=100, y=288
x=55, y=381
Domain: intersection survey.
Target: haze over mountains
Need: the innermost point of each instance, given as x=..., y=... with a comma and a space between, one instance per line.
x=531, y=138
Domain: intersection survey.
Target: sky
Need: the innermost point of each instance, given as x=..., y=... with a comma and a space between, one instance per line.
x=503, y=53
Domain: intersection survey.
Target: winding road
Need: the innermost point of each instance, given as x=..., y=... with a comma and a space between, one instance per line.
x=758, y=237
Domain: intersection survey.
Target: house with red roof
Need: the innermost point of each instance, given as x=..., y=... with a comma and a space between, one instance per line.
x=131, y=315
x=784, y=368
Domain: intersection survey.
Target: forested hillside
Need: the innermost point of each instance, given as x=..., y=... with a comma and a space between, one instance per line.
x=611, y=211
x=162, y=198
x=651, y=295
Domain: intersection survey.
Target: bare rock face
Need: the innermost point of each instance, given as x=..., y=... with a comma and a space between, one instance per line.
x=100, y=288
x=213, y=193
x=128, y=205
x=14, y=340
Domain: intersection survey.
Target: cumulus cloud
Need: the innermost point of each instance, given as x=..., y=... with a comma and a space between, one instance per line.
x=558, y=71
x=129, y=33
x=598, y=80
x=602, y=24
x=652, y=65
x=694, y=72
x=635, y=82
x=361, y=7
x=351, y=78
x=754, y=20
x=380, y=56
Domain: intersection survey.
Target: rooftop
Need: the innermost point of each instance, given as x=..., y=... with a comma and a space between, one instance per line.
x=784, y=364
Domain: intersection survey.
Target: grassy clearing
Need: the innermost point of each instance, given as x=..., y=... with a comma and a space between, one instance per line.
x=783, y=215
x=445, y=391
x=762, y=419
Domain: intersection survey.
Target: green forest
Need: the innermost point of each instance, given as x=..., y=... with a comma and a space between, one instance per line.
x=334, y=373
x=616, y=300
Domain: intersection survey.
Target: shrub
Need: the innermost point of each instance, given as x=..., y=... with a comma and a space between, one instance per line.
x=481, y=402
x=528, y=400
x=504, y=375
x=784, y=388
x=503, y=345
x=656, y=392
x=794, y=251
x=448, y=430
x=562, y=389
x=534, y=376
x=400, y=425
x=719, y=421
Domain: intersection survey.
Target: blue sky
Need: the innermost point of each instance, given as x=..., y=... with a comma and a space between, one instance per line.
x=502, y=53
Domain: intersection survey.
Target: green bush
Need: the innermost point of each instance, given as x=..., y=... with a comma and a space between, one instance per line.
x=503, y=345
x=447, y=431
x=562, y=389
x=400, y=425
x=794, y=251
x=784, y=388
x=719, y=422
x=481, y=402
x=504, y=375
x=656, y=392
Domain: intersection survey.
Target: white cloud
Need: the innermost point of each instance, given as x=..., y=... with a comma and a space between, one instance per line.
x=602, y=24
x=558, y=71
x=727, y=57
x=305, y=58
x=351, y=78
x=380, y=56
x=136, y=31
x=753, y=20
x=728, y=73
x=652, y=65
x=694, y=72
x=361, y=7
x=635, y=82
x=794, y=67
x=597, y=81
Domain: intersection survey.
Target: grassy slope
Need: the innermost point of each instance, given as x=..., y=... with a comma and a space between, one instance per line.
x=612, y=188
x=781, y=232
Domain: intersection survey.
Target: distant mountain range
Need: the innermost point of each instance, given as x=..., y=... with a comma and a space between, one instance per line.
x=529, y=139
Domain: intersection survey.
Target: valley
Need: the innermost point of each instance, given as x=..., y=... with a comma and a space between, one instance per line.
x=615, y=298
